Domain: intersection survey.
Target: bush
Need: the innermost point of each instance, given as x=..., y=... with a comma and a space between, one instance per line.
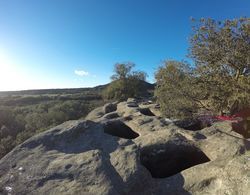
x=176, y=90
x=6, y=145
x=21, y=121
x=219, y=81
x=125, y=83
x=221, y=52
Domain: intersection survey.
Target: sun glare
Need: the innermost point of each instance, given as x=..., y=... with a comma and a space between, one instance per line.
x=10, y=78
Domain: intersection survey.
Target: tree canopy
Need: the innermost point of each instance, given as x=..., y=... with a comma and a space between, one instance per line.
x=219, y=79
x=125, y=82
x=221, y=52
x=176, y=89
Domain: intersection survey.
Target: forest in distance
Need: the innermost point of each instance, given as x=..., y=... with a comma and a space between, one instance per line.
x=25, y=113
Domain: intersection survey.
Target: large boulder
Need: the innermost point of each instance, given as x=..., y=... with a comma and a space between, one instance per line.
x=76, y=157
x=128, y=151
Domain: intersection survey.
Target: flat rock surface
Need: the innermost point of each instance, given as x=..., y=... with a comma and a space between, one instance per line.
x=128, y=149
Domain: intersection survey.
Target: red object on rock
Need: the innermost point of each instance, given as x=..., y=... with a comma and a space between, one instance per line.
x=240, y=121
x=226, y=118
x=241, y=115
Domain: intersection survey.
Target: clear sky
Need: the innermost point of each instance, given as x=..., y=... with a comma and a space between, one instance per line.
x=75, y=43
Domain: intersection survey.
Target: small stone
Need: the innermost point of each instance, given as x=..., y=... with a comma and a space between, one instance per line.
x=8, y=189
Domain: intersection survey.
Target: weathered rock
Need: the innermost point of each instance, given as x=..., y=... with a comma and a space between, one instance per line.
x=109, y=107
x=111, y=115
x=131, y=102
x=73, y=158
x=129, y=151
x=95, y=114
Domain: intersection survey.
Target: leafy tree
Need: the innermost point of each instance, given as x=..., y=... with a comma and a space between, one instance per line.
x=219, y=80
x=6, y=116
x=176, y=90
x=6, y=144
x=221, y=52
x=122, y=71
x=125, y=82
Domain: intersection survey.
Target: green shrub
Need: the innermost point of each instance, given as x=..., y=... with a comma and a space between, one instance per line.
x=126, y=83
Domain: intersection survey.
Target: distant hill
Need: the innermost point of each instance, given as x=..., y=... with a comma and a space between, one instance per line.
x=96, y=89
x=46, y=91
x=148, y=86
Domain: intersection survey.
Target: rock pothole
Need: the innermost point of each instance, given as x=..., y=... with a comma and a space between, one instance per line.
x=146, y=111
x=168, y=160
x=111, y=115
x=119, y=129
x=192, y=125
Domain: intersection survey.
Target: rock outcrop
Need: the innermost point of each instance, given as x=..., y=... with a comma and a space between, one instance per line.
x=127, y=148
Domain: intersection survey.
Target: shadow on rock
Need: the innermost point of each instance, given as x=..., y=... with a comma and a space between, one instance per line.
x=172, y=185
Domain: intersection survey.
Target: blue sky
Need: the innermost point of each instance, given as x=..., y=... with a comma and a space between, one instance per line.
x=64, y=44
